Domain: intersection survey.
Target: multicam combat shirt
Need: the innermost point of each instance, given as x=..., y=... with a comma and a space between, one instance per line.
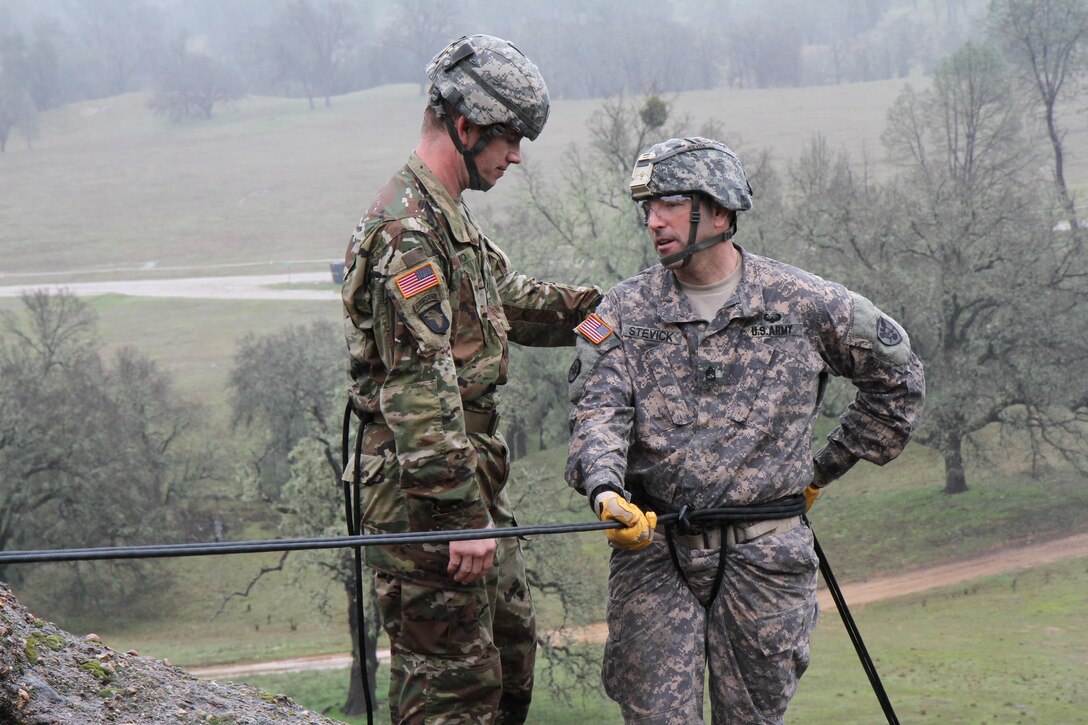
x=430, y=306
x=674, y=410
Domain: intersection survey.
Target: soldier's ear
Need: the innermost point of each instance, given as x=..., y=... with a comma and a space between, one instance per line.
x=722, y=217
x=467, y=130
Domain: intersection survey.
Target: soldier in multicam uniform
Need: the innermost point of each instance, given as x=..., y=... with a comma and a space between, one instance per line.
x=431, y=304
x=696, y=385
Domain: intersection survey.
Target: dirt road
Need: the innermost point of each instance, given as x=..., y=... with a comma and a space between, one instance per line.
x=856, y=593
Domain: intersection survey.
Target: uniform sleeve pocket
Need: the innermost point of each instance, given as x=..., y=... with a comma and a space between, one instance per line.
x=414, y=413
x=420, y=297
x=425, y=515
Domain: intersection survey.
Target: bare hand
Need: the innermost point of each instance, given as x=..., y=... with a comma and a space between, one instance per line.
x=471, y=560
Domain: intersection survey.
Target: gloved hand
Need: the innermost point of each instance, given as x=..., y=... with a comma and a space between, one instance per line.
x=640, y=526
x=811, y=494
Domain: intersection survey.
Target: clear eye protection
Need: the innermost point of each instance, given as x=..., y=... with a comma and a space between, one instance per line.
x=665, y=207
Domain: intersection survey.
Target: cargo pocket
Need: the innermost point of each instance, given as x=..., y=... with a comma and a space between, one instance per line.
x=783, y=631
x=439, y=622
x=371, y=470
x=618, y=654
x=492, y=465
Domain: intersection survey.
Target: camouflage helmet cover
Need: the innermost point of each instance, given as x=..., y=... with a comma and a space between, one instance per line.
x=687, y=165
x=490, y=81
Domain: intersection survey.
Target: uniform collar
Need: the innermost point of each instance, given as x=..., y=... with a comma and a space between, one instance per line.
x=747, y=301
x=462, y=225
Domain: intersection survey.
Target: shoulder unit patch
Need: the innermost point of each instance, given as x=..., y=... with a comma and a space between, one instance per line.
x=887, y=332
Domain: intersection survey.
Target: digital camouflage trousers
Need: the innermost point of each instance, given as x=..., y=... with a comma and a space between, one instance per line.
x=754, y=636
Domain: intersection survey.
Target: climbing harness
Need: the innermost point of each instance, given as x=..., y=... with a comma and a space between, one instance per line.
x=689, y=523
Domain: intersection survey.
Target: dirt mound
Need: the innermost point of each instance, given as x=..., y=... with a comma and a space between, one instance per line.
x=50, y=676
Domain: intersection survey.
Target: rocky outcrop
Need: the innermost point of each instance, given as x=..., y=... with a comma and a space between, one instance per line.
x=50, y=676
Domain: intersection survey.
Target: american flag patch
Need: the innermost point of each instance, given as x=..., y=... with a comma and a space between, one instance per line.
x=594, y=329
x=419, y=279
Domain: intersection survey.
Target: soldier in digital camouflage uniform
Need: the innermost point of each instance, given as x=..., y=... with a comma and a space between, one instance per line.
x=696, y=384
x=430, y=306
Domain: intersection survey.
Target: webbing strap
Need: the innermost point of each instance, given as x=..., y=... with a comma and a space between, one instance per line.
x=782, y=508
x=687, y=522
x=718, y=576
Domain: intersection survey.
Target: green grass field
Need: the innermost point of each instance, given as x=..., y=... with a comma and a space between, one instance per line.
x=1006, y=649
x=196, y=340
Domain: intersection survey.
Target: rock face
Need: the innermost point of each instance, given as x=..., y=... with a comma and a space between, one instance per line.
x=50, y=676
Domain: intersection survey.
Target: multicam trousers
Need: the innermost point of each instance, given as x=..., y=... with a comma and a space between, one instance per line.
x=754, y=636
x=462, y=655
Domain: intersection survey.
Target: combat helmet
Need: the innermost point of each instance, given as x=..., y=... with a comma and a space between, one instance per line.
x=692, y=167
x=491, y=83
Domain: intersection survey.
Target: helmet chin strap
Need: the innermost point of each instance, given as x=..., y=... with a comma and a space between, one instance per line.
x=487, y=135
x=684, y=256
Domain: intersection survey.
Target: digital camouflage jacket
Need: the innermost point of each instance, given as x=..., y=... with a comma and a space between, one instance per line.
x=671, y=410
x=430, y=307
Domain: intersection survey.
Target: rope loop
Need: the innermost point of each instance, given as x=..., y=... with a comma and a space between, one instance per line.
x=684, y=525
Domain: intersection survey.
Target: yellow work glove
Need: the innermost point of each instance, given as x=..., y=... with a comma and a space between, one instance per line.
x=811, y=494
x=640, y=526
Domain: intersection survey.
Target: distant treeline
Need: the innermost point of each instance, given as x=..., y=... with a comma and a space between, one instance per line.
x=194, y=54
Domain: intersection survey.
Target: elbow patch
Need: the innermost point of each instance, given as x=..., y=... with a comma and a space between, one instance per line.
x=873, y=329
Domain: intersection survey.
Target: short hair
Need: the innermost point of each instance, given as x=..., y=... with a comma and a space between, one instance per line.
x=713, y=204
x=432, y=123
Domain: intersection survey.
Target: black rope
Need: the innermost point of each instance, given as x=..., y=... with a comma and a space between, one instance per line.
x=353, y=511
x=741, y=513
x=854, y=633
x=355, y=540
x=302, y=544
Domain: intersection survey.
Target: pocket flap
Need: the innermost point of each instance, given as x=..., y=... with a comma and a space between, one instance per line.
x=370, y=468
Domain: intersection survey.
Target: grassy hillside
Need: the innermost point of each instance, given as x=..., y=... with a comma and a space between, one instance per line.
x=196, y=340
x=108, y=186
x=1006, y=649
